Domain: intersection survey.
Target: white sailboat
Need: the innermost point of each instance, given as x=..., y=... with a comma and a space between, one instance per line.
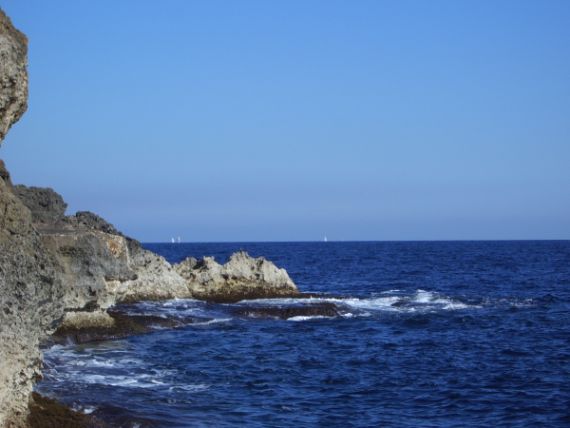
x=325, y=239
x=172, y=240
x=178, y=240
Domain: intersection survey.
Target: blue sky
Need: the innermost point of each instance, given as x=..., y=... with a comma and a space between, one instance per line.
x=289, y=120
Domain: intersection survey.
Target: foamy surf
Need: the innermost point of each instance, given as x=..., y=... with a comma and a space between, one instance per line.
x=308, y=318
x=418, y=301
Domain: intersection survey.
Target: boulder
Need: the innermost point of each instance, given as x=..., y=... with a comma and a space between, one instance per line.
x=242, y=277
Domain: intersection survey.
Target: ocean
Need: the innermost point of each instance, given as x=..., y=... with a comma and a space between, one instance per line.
x=429, y=334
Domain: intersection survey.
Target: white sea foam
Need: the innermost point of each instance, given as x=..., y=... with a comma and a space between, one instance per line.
x=189, y=387
x=214, y=321
x=307, y=318
x=421, y=300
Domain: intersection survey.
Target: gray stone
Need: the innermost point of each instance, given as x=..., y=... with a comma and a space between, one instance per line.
x=30, y=291
x=13, y=75
x=242, y=277
x=47, y=206
x=30, y=305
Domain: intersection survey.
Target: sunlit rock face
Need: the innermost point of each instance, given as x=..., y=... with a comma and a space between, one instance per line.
x=242, y=277
x=13, y=75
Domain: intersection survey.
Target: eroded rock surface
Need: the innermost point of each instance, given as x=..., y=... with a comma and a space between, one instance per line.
x=13, y=75
x=30, y=304
x=101, y=266
x=242, y=277
x=30, y=291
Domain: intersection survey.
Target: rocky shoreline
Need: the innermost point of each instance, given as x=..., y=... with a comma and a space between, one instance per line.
x=62, y=275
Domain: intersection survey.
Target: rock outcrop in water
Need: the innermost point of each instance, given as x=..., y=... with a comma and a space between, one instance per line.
x=242, y=277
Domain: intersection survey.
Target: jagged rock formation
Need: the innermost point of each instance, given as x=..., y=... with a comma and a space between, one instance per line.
x=104, y=266
x=30, y=302
x=46, y=206
x=242, y=277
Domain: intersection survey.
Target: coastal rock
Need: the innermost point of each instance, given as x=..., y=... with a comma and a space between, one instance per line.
x=91, y=261
x=30, y=289
x=91, y=221
x=47, y=207
x=101, y=266
x=13, y=75
x=30, y=304
x=242, y=277
x=319, y=309
x=48, y=413
x=84, y=327
x=78, y=320
x=155, y=279
x=52, y=263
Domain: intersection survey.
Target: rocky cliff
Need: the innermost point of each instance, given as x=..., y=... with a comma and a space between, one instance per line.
x=30, y=291
x=13, y=75
x=100, y=266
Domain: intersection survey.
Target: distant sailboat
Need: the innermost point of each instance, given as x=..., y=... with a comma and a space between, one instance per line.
x=172, y=240
x=326, y=239
x=178, y=240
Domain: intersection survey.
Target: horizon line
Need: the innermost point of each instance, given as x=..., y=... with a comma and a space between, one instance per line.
x=359, y=240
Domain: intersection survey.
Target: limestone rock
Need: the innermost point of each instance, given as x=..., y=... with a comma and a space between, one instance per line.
x=83, y=319
x=91, y=260
x=242, y=277
x=30, y=291
x=30, y=304
x=13, y=75
x=155, y=279
x=89, y=220
x=47, y=207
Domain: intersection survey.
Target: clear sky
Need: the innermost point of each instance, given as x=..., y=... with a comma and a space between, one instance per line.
x=289, y=120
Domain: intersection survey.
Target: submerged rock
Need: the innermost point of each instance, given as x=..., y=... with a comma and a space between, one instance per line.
x=322, y=309
x=242, y=277
x=84, y=327
x=49, y=413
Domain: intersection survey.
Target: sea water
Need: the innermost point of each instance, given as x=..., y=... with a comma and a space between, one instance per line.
x=429, y=334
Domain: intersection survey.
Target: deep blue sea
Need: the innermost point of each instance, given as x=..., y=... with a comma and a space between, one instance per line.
x=431, y=334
